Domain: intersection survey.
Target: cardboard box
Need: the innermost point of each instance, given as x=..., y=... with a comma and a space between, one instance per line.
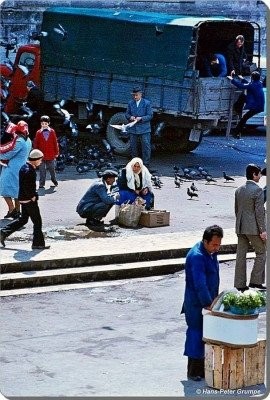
x=155, y=218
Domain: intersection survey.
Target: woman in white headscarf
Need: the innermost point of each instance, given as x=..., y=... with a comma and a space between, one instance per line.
x=135, y=181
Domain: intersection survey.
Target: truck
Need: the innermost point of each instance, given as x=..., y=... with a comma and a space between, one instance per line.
x=93, y=58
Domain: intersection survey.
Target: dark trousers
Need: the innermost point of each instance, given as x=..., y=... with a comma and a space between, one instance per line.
x=145, y=144
x=28, y=210
x=243, y=120
x=97, y=211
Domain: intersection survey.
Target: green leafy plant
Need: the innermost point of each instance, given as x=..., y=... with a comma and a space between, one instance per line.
x=248, y=300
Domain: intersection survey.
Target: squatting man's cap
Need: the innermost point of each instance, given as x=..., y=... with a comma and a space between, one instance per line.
x=109, y=173
x=35, y=155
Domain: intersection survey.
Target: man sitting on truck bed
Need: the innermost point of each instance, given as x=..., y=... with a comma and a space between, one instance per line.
x=139, y=109
x=215, y=65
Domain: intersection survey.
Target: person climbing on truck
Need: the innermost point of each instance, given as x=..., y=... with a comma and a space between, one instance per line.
x=215, y=66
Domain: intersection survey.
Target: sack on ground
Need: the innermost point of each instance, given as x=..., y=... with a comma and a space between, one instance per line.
x=129, y=214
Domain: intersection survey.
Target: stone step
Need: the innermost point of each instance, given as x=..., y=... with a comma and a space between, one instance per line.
x=12, y=282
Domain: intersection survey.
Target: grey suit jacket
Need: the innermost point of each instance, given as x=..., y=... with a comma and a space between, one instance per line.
x=145, y=111
x=249, y=209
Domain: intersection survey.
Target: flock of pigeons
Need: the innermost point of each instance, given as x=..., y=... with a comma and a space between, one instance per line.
x=188, y=174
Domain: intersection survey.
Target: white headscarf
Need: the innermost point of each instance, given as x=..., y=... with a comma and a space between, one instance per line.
x=132, y=177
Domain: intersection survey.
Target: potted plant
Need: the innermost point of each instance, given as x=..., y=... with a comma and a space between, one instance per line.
x=244, y=303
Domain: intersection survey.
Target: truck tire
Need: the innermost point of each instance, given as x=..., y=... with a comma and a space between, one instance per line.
x=176, y=140
x=120, y=143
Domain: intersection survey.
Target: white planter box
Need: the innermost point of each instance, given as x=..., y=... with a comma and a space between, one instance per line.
x=235, y=330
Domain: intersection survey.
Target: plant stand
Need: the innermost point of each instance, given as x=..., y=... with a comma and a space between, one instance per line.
x=231, y=367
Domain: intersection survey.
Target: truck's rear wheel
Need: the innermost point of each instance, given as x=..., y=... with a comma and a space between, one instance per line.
x=119, y=141
x=176, y=140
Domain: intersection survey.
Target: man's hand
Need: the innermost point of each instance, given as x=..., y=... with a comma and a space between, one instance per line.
x=230, y=77
x=144, y=191
x=132, y=118
x=240, y=77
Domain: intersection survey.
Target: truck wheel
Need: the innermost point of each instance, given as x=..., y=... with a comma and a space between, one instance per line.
x=176, y=140
x=118, y=141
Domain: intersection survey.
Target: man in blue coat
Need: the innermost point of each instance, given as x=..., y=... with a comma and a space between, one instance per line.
x=202, y=284
x=139, y=109
x=98, y=200
x=253, y=101
x=215, y=66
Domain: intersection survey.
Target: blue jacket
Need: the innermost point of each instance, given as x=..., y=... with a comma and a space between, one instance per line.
x=255, y=95
x=97, y=193
x=202, y=283
x=145, y=111
x=217, y=70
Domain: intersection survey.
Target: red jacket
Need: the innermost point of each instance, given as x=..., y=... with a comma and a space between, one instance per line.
x=48, y=147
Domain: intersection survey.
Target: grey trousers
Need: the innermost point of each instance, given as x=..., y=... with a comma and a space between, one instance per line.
x=258, y=271
x=145, y=144
x=44, y=166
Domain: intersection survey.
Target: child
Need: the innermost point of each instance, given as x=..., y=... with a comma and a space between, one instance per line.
x=46, y=141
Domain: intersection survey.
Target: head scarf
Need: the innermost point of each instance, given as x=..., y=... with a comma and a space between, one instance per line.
x=132, y=177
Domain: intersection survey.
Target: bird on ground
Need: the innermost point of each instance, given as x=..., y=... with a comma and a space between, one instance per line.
x=124, y=127
x=191, y=194
x=177, y=182
x=193, y=187
x=209, y=179
x=227, y=177
x=61, y=31
x=156, y=182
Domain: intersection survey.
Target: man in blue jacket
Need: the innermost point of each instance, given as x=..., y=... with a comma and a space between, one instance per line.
x=215, y=66
x=139, y=109
x=202, y=284
x=98, y=200
x=253, y=101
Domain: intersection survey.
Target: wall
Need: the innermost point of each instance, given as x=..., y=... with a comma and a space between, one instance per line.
x=24, y=16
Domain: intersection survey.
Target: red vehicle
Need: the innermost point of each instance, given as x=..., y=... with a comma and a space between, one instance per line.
x=26, y=68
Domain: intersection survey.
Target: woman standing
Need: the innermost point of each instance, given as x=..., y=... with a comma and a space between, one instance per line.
x=135, y=181
x=9, y=178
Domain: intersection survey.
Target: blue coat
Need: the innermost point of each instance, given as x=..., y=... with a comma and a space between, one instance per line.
x=255, y=95
x=97, y=193
x=202, y=283
x=217, y=70
x=145, y=111
x=9, y=178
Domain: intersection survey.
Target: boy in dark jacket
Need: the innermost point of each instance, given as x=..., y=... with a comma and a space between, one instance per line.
x=28, y=199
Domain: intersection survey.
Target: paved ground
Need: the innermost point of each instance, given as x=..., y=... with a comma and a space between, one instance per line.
x=122, y=338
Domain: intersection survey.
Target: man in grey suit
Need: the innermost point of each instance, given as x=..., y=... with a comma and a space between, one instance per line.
x=250, y=229
x=139, y=109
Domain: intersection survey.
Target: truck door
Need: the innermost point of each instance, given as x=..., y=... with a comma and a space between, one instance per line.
x=26, y=68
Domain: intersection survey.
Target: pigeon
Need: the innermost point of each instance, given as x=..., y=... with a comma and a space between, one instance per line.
x=61, y=31
x=24, y=69
x=123, y=127
x=191, y=194
x=177, y=182
x=209, y=179
x=159, y=128
x=156, y=182
x=193, y=187
x=227, y=177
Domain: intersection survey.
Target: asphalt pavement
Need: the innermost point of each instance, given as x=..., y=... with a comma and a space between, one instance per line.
x=122, y=338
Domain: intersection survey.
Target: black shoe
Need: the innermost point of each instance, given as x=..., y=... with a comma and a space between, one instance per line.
x=55, y=183
x=41, y=187
x=11, y=214
x=114, y=221
x=253, y=285
x=40, y=247
x=16, y=215
x=2, y=239
x=242, y=289
x=94, y=222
